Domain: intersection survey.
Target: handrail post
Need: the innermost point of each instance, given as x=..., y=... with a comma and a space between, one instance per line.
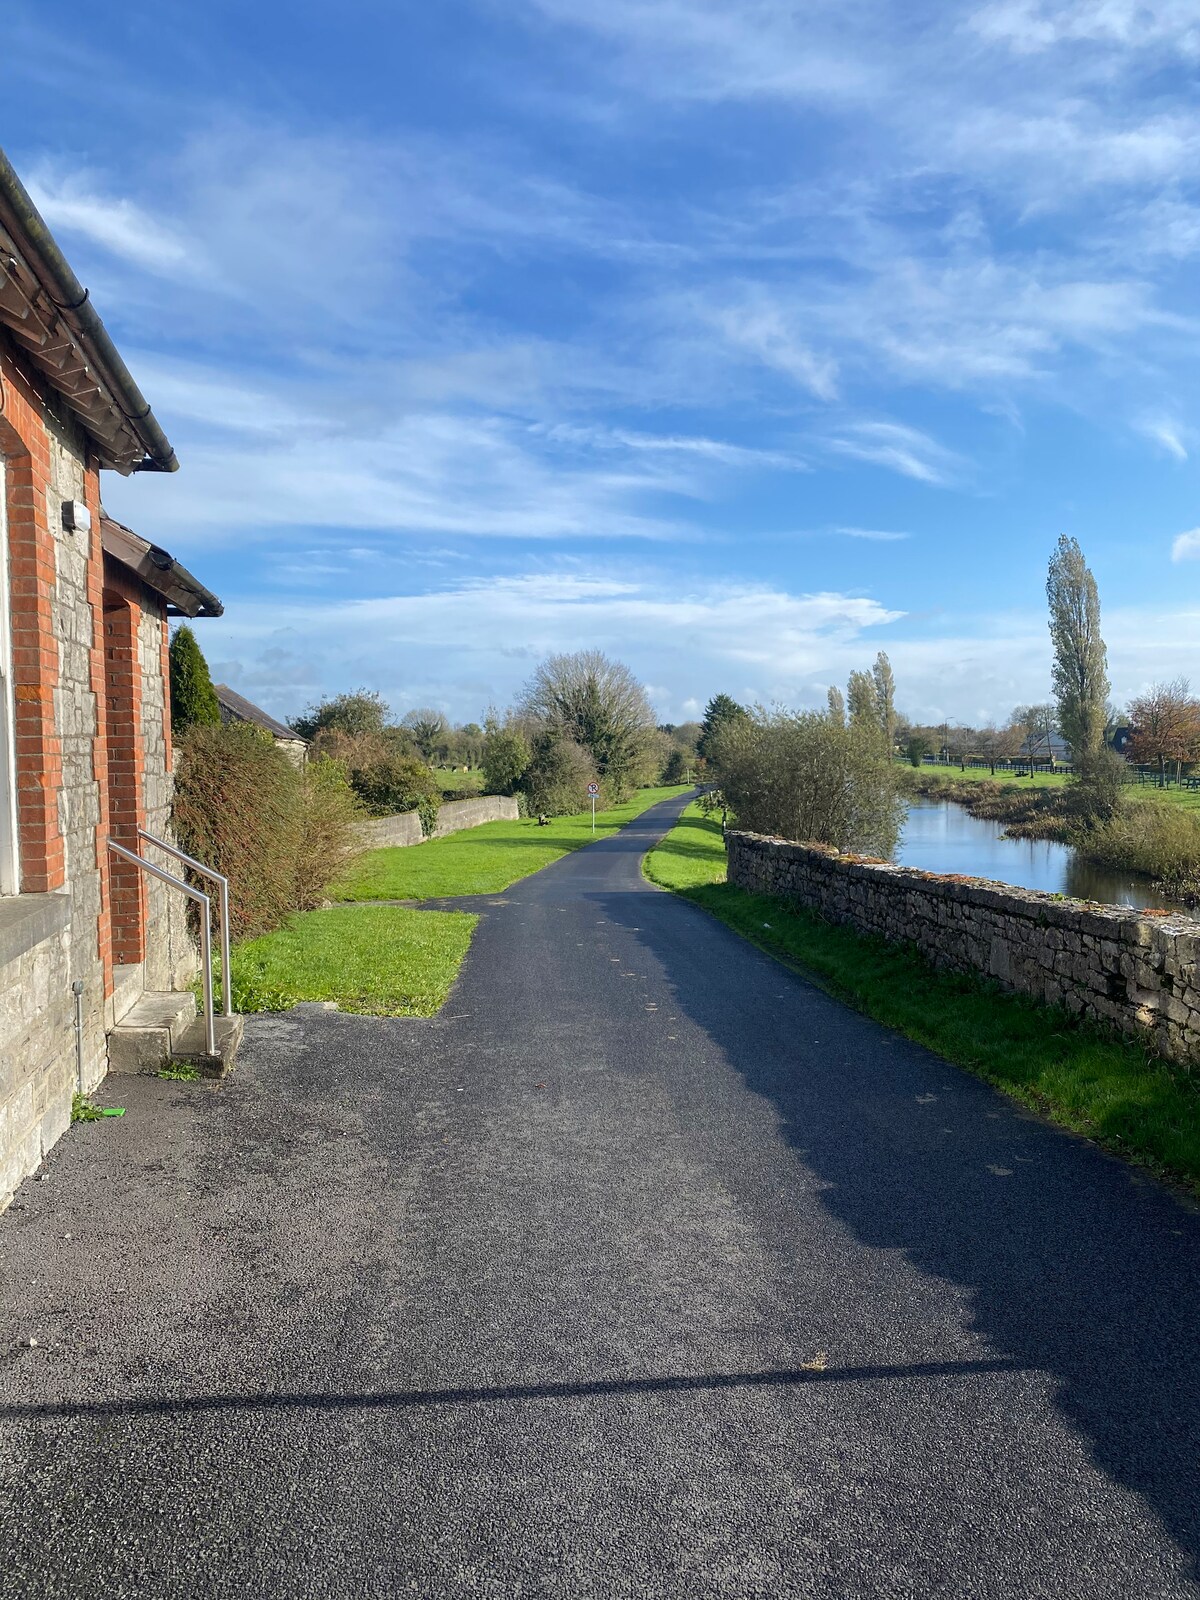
x=222, y=883
x=205, y=904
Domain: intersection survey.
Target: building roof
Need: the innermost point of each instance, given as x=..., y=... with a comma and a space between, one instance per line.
x=46, y=309
x=243, y=710
x=185, y=596
x=1047, y=744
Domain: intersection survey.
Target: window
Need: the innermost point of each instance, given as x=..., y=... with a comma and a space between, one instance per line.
x=10, y=880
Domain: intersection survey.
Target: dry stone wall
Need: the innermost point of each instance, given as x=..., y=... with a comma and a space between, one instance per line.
x=1134, y=970
x=405, y=827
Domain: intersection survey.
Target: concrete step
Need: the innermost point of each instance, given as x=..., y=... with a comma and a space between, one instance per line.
x=128, y=988
x=190, y=1048
x=146, y=1035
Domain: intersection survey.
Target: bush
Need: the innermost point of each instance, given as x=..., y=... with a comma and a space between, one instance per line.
x=805, y=776
x=558, y=775
x=677, y=768
x=1150, y=836
x=279, y=834
x=506, y=757
x=391, y=782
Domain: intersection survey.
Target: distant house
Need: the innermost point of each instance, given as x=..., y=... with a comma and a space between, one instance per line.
x=236, y=708
x=1050, y=748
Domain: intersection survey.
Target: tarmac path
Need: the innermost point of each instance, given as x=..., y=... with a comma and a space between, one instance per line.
x=646, y=1269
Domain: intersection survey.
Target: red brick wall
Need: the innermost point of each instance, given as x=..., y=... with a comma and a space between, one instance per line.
x=125, y=759
x=26, y=446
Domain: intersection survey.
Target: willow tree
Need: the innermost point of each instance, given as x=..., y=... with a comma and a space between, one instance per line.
x=1080, y=671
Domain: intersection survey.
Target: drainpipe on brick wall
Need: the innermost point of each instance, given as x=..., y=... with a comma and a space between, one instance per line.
x=77, y=991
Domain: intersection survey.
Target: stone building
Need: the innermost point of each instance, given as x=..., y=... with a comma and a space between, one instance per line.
x=236, y=708
x=85, y=741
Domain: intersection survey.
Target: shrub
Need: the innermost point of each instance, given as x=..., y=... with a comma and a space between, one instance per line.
x=193, y=698
x=361, y=711
x=278, y=833
x=392, y=782
x=558, y=775
x=1150, y=836
x=506, y=757
x=803, y=775
x=677, y=767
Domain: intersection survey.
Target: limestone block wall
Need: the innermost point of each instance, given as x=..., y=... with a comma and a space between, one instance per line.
x=1130, y=969
x=405, y=827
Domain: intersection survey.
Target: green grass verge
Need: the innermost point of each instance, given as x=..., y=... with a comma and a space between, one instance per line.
x=1081, y=1077
x=1185, y=799
x=384, y=961
x=482, y=860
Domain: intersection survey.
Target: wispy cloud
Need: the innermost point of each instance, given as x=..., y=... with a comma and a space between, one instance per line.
x=900, y=449
x=879, y=535
x=1165, y=433
x=1186, y=546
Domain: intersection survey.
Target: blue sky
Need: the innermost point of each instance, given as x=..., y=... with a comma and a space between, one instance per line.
x=739, y=340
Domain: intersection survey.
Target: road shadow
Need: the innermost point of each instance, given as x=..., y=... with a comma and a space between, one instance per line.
x=1075, y=1264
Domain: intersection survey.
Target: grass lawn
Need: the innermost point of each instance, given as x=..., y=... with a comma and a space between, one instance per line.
x=382, y=960
x=482, y=860
x=1093, y=1082
x=448, y=778
x=1185, y=799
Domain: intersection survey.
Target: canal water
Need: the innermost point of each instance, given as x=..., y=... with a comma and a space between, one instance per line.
x=939, y=836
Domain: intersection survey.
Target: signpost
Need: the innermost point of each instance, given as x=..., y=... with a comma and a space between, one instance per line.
x=593, y=791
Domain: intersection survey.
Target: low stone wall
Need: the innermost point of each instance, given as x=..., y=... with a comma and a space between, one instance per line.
x=1131, y=969
x=405, y=827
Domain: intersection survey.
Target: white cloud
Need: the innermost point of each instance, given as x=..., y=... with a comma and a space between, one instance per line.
x=1186, y=546
x=880, y=535
x=72, y=205
x=1167, y=434
x=900, y=449
x=1031, y=26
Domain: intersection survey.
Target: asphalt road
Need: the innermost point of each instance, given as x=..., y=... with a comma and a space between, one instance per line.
x=644, y=1270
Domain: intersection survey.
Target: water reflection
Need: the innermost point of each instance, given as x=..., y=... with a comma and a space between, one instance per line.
x=941, y=837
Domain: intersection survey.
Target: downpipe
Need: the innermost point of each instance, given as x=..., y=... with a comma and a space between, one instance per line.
x=77, y=991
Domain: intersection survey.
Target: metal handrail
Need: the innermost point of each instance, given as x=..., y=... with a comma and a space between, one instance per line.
x=223, y=882
x=205, y=903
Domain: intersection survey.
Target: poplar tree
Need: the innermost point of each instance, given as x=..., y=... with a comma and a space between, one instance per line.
x=193, y=698
x=837, y=705
x=860, y=698
x=1080, y=672
x=885, y=697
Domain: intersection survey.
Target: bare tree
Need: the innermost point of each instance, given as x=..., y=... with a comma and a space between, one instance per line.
x=1080, y=672
x=599, y=704
x=1166, y=725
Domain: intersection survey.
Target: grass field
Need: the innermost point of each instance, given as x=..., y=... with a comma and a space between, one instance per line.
x=1105, y=1087
x=449, y=779
x=382, y=960
x=482, y=860
x=1185, y=799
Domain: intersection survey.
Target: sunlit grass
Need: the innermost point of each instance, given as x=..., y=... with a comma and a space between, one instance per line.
x=382, y=960
x=483, y=860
